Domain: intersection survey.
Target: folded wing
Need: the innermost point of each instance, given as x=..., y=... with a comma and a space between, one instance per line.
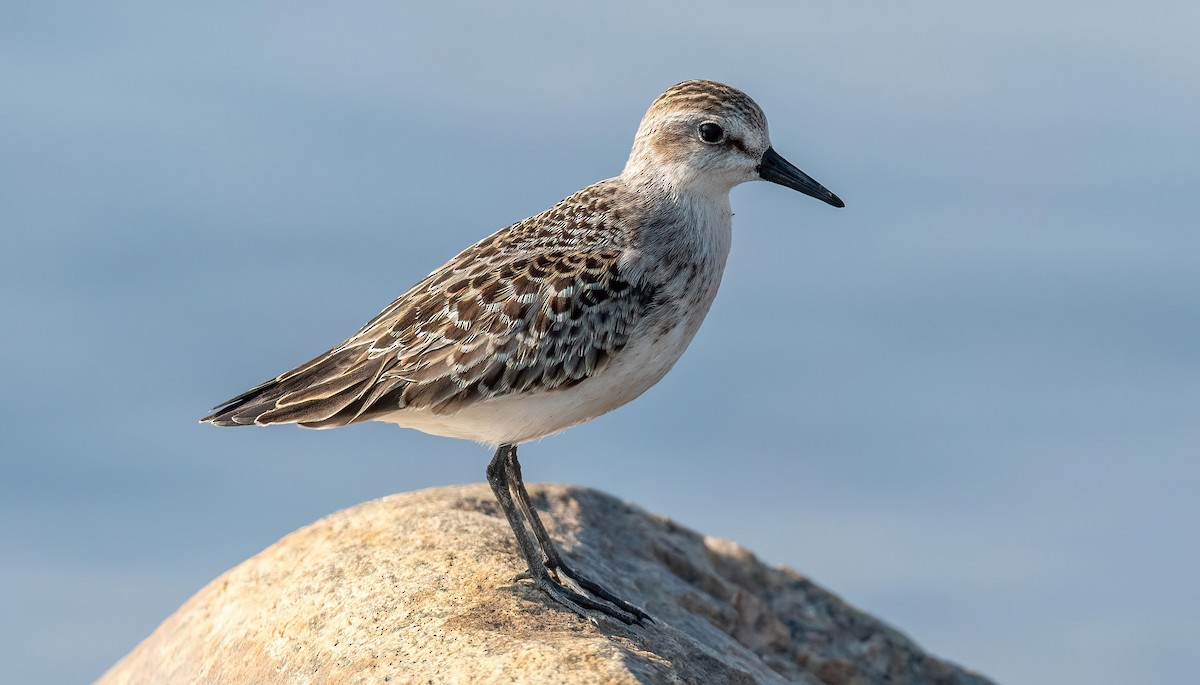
x=486, y=325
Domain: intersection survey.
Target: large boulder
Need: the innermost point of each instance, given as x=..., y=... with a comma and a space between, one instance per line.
x=420, y=588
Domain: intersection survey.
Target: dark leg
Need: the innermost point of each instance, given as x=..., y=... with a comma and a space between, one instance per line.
x=554, y=560
x=498, y=478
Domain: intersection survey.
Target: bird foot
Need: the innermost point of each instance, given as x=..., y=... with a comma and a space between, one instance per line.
x=582, y=582
x=580, y=604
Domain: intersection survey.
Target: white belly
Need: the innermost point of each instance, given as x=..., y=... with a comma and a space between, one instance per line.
x=519, y=418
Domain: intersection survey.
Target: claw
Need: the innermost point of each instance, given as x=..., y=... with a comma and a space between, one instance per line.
x=603, y=593
x=577, y=603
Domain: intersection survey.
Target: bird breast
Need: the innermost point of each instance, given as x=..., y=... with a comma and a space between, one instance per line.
x=685, y=271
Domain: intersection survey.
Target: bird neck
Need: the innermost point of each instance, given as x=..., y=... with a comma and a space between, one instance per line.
x=682, y=222
x=677, y=183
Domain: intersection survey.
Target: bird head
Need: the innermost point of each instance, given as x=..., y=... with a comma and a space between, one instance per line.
x=707, y=136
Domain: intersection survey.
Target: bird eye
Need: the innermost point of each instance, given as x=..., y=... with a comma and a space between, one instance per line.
x=711, y=133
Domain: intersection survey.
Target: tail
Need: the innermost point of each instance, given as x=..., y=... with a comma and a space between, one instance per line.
x=335, y=389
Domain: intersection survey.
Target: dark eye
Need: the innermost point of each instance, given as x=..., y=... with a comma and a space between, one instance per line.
x=711, y=133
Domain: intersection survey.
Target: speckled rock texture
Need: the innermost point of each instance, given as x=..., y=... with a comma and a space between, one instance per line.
x=419, y=588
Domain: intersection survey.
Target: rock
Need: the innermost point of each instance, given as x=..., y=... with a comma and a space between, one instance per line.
x=419, y=588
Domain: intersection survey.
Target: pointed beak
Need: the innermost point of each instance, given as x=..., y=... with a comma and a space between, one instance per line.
x=776, y=169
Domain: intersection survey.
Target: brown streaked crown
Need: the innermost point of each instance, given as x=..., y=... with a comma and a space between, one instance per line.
x=719, y=99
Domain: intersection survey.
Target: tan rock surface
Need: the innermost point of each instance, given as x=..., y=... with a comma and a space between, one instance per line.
x=418, y=588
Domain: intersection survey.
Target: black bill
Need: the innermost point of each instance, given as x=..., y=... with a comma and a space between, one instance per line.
x=776, y=169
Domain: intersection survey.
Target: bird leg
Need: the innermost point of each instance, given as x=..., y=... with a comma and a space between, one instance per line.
x=554, y=558
x=504, y=476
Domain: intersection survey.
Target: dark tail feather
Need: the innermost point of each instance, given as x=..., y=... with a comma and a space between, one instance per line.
x=245, y=409
x=322, y=394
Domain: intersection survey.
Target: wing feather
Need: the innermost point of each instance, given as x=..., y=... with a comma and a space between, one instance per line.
x=503, y=317
x=544, y=328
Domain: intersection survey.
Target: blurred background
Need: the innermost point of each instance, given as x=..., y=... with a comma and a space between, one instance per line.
x=976, y=414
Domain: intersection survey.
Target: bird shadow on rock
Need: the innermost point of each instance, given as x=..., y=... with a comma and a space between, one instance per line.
x=719, y=613
x=645, y=559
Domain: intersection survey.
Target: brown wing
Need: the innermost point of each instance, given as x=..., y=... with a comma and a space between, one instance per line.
x=488, y=324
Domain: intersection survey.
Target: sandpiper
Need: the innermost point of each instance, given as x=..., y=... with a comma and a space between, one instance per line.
x=553, y=320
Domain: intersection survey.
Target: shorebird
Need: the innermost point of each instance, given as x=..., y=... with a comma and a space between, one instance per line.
x=553, y=320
